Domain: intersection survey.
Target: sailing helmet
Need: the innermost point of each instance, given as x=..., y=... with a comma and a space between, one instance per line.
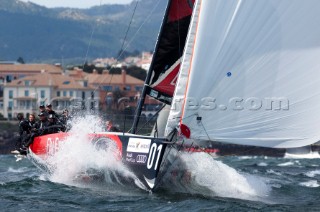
x=42, y=114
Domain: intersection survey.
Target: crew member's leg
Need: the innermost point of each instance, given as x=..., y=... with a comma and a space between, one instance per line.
x=27, y=142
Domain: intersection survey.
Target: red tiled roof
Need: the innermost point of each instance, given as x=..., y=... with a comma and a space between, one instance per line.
x=47, y=80
x=52, y=69
x=113, y=79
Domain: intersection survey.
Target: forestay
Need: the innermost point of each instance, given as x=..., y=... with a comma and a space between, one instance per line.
x=250, y=73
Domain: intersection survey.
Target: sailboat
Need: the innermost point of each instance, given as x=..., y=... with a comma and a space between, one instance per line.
x=240, y=71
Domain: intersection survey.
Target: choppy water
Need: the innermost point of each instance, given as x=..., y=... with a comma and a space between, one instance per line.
x=228, y=183
x=212, y=184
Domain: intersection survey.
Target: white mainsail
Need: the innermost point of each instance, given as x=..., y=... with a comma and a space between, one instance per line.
x=250, y=73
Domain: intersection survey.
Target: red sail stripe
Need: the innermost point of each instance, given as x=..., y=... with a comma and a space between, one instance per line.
x=168, y=84
x=180, y=9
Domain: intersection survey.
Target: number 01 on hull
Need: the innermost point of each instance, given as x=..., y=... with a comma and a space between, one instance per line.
x=142, y=155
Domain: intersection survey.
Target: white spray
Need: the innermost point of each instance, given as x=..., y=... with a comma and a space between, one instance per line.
x=77, y=157
x=209, y=177
x=204, y=175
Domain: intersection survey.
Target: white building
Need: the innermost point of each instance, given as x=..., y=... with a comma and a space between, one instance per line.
x=11, y=71
x=26, y=94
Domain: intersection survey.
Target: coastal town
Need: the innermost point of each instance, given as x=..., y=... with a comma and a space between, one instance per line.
x=23, y=87
x=107, y=90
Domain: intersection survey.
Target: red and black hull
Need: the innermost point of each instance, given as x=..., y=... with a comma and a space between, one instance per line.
x=142, y=155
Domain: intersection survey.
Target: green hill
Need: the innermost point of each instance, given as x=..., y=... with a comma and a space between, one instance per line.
x=39, y=34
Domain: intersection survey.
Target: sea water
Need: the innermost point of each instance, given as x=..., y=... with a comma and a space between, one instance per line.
x=229, y=183
x=211, y=183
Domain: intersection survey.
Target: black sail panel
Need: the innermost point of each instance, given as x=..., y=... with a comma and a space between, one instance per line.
x=171, y=42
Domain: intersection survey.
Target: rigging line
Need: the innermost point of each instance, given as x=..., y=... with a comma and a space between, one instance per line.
x=93, y=30
x=213, y=140
x=208, y=138
x=136, y=33
x=125, y=37
x=86, y=57
x=130, y=41
x=124, y=40
x=145, y=20
x=205, y=130
x=150, y=118
x=121, y=49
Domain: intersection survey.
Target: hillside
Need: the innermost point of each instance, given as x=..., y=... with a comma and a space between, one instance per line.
x=40, y=34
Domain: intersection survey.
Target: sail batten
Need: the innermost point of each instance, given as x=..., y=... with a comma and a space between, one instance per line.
x=255, y=73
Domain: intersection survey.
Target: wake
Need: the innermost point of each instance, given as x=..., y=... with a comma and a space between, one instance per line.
x=209, y=177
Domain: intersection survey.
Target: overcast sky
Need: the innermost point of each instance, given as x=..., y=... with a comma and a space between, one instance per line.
x=76, y=3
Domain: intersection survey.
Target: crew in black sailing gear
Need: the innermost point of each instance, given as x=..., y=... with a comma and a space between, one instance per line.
x=32, y=121
x=23, y=131
x=49, y=110
x=31, y=128
x=42, y=109
x=54, y=125
x=41, y=128
x=42, y=124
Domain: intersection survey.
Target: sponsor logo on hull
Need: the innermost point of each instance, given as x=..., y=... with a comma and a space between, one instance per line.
x=52, y=145
x=141, y=159
x=139, y=145
x=136, y=158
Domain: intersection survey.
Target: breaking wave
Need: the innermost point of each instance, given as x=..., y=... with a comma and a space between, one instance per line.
x=310, y=184
x=290, y=163
x=313, y=173
x=79, y=162
x=262, y=164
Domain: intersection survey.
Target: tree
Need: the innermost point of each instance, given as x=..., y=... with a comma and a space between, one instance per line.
x=115, y=71
x=20, y=60
x=88, y=68
x=137, y=72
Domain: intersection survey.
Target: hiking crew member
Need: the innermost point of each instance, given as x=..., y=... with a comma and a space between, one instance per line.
x=54, y=125
x=32, y=121
x=42, y=124
x=23, y=131
x=47, y=124
x=41, y=128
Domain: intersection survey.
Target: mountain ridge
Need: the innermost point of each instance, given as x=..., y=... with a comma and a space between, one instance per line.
x=40, y=34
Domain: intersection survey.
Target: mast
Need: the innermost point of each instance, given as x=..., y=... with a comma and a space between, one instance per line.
x=147, y=81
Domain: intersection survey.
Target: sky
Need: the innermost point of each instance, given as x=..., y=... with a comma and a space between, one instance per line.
x=75, y=3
